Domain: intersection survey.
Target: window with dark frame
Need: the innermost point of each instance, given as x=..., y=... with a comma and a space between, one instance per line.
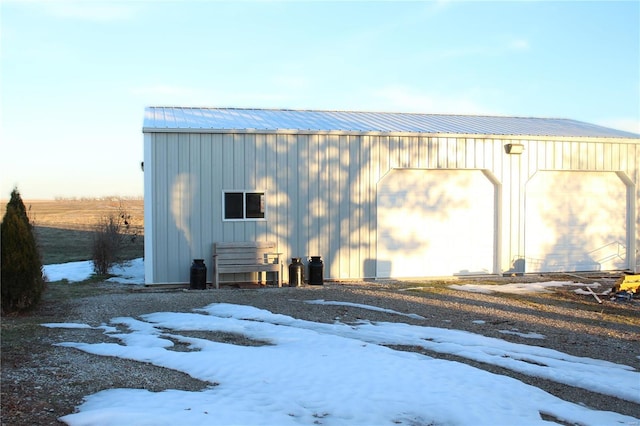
x=244, y=205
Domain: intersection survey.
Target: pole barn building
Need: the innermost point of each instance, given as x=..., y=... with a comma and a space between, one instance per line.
x=389, y=195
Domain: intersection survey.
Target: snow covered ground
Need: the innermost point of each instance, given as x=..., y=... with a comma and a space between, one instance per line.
x=131, y=272
x=305, y=373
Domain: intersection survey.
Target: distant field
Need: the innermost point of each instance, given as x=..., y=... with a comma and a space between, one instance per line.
x=64, y=228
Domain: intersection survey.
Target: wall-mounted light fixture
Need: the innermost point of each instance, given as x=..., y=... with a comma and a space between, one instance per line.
x=514, y=148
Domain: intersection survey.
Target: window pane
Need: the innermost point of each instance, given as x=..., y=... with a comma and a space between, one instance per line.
x=233, y=205
x=255, y=205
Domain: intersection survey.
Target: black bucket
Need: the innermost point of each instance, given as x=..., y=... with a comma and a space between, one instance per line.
x=296, y=272
x=316, y=271
x=198, y=279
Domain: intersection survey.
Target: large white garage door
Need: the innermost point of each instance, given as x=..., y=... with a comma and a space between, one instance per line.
x=435, y=223
x=575, y=221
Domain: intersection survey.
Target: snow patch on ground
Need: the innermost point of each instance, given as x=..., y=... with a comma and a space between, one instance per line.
x=334, y=374
x=130, y=272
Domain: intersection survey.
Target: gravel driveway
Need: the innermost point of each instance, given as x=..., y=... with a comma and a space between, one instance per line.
x=41, y=382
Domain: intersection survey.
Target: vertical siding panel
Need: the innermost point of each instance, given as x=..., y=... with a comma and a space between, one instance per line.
x=573, y=152
x=302, y=229
x=238, y=160
x=599, y=156
x=315, y=206
x=343, y=208
x=461, y=153
x=394, y=153
x=172, y=231
x=625, y=154
x=324, y=198
x=414, y=152
x=432, y=153
x=374, y=178
x=385, y=163
x=239, y=171
x=521, y=176
x=532, y=150
x=408, y=146
x=470, y=154
x=206, y=202
x=250, y=162
x=586, y=156
x=498, y=158
x=367, y=220
x=217, y=185
x=354, y=207
x=270, y=170
x=568, y=162
x=158, y=189
x=452, y=153
x=488, y=157
x=294, y=190
x=262, y=183
x=162, y=206
x=421, y=153
x=441, y=163
x=282, y=196
x=228, y=181
x=335, y=191
x=250, y=180
x=374, y=146
x=615, y=156
x=479, y=153
x=557, y=156
x=441, y=153
x=197, y=246
x=606, y=157
x=185, y=236
x=401, y=151
x=591, y=162
x=547, y=156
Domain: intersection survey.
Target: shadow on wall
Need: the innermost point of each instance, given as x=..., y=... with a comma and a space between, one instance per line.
x=183, y=191
x=518, y=267
x=372, y=264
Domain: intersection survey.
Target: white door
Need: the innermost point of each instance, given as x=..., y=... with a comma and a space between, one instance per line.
x=435, y=223
x=575, y=221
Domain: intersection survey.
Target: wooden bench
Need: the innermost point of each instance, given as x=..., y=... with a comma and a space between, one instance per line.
x=242, y=257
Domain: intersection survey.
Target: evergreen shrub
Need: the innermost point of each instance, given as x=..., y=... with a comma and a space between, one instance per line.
x=21, y=266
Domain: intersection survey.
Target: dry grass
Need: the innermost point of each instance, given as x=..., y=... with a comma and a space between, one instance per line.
x=64, y=228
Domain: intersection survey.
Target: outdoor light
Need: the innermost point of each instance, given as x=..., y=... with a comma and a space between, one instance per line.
x=514, y=148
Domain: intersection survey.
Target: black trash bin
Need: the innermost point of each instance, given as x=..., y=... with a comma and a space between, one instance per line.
x=316, y=271
x=296, y=272
x=198, y=278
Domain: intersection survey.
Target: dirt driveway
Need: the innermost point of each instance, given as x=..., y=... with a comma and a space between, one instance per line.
x=41, y=382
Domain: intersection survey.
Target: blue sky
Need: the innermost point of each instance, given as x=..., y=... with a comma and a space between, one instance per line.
x=76, y=75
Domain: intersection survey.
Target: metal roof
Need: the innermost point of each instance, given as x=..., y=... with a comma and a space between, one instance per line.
x=169, y=119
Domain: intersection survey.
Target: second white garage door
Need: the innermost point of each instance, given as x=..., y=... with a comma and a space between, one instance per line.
x=575, y=221
x=435, y=223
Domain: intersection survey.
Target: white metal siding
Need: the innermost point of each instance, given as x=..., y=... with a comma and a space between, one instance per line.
x=321, y=190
